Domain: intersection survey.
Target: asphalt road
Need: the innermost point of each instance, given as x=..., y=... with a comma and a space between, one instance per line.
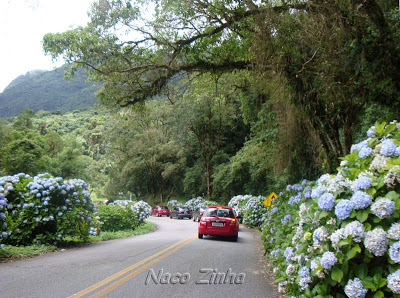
x=170, y=262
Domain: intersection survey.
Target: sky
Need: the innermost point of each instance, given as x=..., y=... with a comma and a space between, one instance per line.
x=23, y=23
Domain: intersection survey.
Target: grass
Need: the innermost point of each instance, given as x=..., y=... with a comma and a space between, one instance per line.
x=145, y=228
x=11, y=252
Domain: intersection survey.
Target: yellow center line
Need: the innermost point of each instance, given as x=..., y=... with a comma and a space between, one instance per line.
x=124, y=271
x=138, y=271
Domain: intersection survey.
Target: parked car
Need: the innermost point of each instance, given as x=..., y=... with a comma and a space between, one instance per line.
x=219, y=221
x=198, y=213
x=181, y=212
x=160, y=210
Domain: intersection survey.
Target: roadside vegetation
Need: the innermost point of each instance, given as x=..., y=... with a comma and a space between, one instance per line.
x=223, y=98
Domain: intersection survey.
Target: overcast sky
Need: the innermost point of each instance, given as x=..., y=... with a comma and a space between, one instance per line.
x=22, y=26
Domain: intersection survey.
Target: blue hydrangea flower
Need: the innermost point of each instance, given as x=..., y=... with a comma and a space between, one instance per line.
x=359, y=146
x=355, y=289
x=286, y=218
x=383, y=208
x=371, y=133
x=343, y=209
x=362, y=183
x=360, y=200
x=328, y=260
x=365, y=152
x=394, y=252
x=318, y=191
x=388, y=148
x=326, y=201
x=289, y=253
x=304, y=271
x=393, y=282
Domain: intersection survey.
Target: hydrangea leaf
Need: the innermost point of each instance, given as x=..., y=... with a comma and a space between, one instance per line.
x=380, y=127
x=353, y=252
x=337, y=274
x=392, y=195
x=362, y=215
x=368, y=283
x=323, y=214
x=390, y=128
x=379, y=294
x=362, y=271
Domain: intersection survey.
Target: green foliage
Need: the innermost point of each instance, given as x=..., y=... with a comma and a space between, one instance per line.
x=116, y=218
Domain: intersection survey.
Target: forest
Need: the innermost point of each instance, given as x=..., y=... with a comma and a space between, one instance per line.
x=214, y=98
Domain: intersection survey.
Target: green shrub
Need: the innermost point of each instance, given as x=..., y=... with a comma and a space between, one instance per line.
x=115, y=217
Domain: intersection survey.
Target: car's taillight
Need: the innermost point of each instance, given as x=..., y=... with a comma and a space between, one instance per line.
x=190, y=211
x=180, y=211
x=233, y=221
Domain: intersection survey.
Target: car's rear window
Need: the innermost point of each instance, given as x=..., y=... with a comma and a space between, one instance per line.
x=163, y=207
x=219, y=212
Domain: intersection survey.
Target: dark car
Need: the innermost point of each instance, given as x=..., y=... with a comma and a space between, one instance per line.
x=160, y=210
x=181, y=212
x=219, y=221
x=198, y=213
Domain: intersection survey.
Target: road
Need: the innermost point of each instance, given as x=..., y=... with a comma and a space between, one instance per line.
x=170, y=262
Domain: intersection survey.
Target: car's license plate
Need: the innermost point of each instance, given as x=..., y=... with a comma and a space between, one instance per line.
x=217, y=224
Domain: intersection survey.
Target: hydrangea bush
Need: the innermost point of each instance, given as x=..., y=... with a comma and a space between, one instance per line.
x=250, y=208
x=199, y=202
x=43, y=209
x=172, y=204
x=339, y=236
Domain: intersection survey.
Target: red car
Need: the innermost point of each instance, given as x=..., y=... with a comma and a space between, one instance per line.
x=160, y=210
x=219, y=221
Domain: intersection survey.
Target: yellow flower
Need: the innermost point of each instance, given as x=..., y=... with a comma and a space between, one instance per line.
x=307, y=236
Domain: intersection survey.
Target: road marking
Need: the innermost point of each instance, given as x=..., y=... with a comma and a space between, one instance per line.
x=138, y=271
x=126, y=270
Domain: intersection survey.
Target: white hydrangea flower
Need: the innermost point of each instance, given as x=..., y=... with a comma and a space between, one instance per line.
x=376, y=242
x=336, y=237
x=291, y=269
x=392, y=178
x=379, y=163
x=394, y=232
x=356, y=230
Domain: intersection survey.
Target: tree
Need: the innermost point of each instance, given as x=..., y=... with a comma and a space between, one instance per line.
x=334, y=58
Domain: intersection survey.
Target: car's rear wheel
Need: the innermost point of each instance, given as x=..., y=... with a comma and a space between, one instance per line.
x=170, y=216
x=190, y=217
x=235, y=238
x=200, y=236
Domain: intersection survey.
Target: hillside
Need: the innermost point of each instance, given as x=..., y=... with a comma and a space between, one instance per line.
x=48, y=91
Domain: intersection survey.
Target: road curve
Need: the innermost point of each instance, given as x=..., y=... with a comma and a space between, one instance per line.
x=170, y=262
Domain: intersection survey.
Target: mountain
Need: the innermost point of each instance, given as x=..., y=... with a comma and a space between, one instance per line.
x=48, y=91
